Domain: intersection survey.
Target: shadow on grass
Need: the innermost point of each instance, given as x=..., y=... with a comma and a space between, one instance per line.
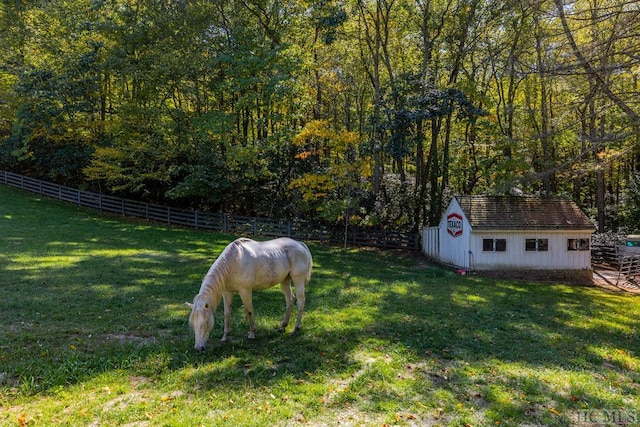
x=513, y=350
x=523, y=351
x=80, y=296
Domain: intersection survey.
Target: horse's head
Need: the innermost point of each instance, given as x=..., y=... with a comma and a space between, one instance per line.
x=201, y=320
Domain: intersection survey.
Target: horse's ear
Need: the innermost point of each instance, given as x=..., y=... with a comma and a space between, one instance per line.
x=188, y=304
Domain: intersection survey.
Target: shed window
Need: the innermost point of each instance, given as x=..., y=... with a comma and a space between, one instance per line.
x=536, y=245
x=578, y=244
x=494, y=245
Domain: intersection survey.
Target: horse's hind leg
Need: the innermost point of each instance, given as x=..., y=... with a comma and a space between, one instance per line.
x=300, y=300
x=285, y=286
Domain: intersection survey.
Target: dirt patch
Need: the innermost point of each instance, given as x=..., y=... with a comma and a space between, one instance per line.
x=606, y=278
x=574, y=277
x=125, y=338
x=122, y=402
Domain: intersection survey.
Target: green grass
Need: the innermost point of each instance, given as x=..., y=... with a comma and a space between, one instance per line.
x=93, y=331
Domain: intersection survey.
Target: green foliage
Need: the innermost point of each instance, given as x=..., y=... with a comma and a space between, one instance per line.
x=42, y=141
x=328, y=16
x=145, y=98
x=632, y=205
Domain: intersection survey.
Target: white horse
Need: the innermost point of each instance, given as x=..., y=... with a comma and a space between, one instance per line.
x=246, y=265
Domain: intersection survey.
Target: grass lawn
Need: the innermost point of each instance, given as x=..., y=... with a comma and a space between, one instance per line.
x=94, y=331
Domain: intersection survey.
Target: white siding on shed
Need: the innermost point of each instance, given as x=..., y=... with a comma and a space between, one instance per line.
x=550, y=222
x=454, y=250
x=431, y=242
x=556, y=257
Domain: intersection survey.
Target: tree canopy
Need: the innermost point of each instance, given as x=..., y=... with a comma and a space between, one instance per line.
x=364, y=112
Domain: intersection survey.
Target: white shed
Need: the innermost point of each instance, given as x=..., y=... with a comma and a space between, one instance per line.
x=497, y=233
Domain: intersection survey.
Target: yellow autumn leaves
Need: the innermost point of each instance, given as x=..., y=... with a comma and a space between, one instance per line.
x=334, y=158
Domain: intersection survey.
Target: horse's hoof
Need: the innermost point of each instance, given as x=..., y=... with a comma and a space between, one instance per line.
x=295, y=332
x=252, y=336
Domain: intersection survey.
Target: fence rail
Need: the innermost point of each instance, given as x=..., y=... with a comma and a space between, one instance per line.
x=235, y=224
x=629, y=268
x=604, y=255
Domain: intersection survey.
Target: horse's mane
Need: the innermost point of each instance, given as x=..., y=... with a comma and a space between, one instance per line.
x=215, y=280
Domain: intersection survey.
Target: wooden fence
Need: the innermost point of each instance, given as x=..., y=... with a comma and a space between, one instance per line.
x=612, y=257
x=234, y=224
x=604, y=256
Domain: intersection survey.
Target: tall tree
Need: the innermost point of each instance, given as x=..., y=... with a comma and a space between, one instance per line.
x=607, y=50
x=214, y=104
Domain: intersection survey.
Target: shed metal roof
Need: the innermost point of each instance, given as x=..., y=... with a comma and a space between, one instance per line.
x=523, y=213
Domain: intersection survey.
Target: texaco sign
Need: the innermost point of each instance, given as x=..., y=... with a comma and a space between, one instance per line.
x=454, y=224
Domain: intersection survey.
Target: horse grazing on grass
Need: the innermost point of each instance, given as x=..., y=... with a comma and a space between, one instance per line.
x=246, y=265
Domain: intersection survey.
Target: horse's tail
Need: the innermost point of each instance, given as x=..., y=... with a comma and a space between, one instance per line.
x=309, y=271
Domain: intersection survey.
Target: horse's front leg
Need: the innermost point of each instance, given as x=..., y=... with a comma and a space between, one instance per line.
x=285, y=286
x=227, y=298
x=248, y=311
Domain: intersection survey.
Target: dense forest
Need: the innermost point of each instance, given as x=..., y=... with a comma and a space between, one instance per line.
x=350, y=112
